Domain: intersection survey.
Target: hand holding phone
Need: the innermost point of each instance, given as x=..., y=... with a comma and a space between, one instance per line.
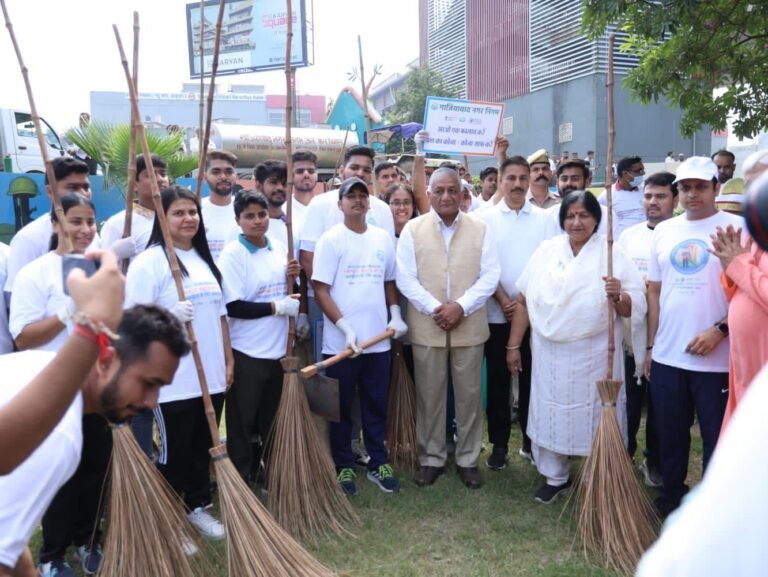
x=69, y=262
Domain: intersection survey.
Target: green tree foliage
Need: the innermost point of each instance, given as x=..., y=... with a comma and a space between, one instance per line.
x=708, y=57
x=109, y=145
x=412, y=99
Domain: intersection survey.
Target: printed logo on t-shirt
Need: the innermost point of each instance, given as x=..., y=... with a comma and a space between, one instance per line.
x=380, y=255
x=690, y=256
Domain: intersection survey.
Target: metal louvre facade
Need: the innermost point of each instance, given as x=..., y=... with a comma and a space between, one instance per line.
x=497, y=49
x=446, y=44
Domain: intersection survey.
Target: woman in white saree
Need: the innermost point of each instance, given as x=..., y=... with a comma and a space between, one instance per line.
x=566, y=298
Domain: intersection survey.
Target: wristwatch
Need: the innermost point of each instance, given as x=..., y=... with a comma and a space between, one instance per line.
x=722, y=327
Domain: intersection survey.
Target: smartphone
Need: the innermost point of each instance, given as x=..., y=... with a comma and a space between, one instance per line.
x=69, y=262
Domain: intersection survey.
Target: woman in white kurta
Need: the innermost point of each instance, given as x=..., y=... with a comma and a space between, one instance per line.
x=566, y=297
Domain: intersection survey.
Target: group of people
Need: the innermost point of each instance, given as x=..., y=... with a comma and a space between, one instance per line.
x=516, y=277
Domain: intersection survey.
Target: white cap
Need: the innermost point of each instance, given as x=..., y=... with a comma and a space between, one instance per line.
x=697, y=167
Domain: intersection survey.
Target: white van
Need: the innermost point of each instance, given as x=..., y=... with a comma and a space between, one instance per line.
x=19, y=148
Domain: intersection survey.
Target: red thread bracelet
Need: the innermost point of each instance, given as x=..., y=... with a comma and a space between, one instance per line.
x=100, y=339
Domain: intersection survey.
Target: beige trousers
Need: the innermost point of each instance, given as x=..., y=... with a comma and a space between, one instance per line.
x=431, y=366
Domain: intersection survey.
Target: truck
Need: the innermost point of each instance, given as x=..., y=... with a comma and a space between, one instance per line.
x=19, y=148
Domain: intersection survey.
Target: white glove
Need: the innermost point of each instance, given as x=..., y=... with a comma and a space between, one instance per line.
x=184, y=311
x=350, y=339
x=420, y=138
x=302, y=326
x=124, y=248
x=397, y=323
x=67, y=311
x=288, y=307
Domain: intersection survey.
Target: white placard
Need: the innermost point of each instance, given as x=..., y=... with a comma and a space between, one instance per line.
x=461, y=126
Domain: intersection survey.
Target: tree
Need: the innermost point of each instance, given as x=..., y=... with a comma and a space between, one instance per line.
x=708, y=57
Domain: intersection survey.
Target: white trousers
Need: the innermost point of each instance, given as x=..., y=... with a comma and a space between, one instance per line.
x=553, y=466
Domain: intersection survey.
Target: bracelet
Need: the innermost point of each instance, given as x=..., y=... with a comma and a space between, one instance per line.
x=513, y=348
x=95, y=331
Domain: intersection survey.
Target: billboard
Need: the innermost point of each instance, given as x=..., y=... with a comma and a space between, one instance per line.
x=252, y=36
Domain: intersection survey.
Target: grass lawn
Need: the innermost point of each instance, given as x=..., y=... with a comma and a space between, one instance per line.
x=448, y=530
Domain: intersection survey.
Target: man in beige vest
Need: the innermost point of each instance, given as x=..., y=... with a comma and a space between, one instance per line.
x=447, y=267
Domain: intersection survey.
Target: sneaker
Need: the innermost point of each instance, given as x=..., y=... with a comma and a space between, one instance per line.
x=346, y=478
x=385, y=478
x=497, y=460
x=549, y=493
x=651, y=475
x=188, y=545
x=56, y=568
x=207, y=524
x=526, y=455
x=90, y=558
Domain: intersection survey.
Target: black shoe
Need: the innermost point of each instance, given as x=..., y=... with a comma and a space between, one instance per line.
x=426, y=475
x=549, y=493
x=470, y=476
x=497, y=460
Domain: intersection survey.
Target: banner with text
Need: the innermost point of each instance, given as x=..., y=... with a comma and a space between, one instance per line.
x=461, y=126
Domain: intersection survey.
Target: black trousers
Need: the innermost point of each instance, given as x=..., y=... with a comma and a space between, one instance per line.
x=74, y=514
x=184, y=459
x=252, y=402
x=636, y=394
x=498, y=410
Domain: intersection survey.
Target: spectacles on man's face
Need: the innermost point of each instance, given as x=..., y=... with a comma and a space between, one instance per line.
x=303, y=170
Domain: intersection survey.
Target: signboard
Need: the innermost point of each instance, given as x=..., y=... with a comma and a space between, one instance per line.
x=253, y=36
x=461, y=126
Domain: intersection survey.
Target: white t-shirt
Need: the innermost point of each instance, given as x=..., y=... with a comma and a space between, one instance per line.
x=38, y=294
x=636, y=244
x=692, y=299
x=26, y=493
x=356, y=267
x=32, y=242
x=553, y=227
x=256, y=275
x=6, y=341
x=149, y=281
x=142, y=221
x=220, y=225
x=627, y=209
x=517, y=235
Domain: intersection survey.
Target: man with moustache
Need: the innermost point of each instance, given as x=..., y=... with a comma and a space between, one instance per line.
x=386, y=174
x=304, y=181
x=726, y=165
x=217, y=211
x=541, y=175
x=571, y=175
x=515, y=221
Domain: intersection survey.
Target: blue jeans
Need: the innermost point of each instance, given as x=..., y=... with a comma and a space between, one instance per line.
x=368, y=374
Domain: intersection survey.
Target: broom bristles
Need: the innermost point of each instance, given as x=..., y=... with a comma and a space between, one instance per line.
x=304, y=495
x=257, y=546
x=616, y=520
x=401, y=414
x=147, y=521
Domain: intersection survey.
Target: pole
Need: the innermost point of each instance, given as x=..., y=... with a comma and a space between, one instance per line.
x=131, y=186
x=609, y=192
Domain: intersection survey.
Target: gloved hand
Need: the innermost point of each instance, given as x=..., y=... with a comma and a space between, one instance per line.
x=350, y=339
x=302, y=326
x=124, y=248
x=287, y=306
x=397, y=323
x=184, y=311
x=420, y=138
x=65, y=313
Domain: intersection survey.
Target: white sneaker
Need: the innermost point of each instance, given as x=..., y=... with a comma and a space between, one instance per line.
x=188, y=546
x=207, y=524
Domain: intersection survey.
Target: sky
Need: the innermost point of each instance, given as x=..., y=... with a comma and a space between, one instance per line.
x=70, y=50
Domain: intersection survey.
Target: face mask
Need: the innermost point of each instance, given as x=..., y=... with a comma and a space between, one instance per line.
x=637, y=182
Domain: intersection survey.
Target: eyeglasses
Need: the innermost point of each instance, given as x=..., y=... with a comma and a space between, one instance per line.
x=401, y=203
x=303, y=170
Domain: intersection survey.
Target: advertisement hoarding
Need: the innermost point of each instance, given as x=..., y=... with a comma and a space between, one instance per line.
x=253, y=36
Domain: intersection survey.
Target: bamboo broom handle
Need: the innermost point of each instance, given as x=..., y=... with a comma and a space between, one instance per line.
x=201, y=104
x=131, y=186
x=211, y=87
x=609, y=195
x=169, y=248
x=38, y=130
x=289, y=90
x=312, y=370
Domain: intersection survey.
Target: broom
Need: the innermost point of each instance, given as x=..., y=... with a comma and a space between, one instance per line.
x=401, y=413
x=38, y=130
x=616, y=522
x=304, y=496
x=131, y=187
x=256, y=544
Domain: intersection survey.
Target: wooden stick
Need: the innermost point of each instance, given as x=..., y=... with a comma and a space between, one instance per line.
x=289, y=89
x=341, y=155
x=609, y=194
x=312, y=370
x=168, y=241
x=131, y=186
x=39, y=132
x=201, y=104
x=211, y=88
x=365, y=102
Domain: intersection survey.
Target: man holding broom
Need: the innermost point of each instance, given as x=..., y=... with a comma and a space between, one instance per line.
x=127, y=373
x=354, y=280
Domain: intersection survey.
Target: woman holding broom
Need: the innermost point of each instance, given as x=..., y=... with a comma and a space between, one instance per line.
x=566, y=297
x=184, y=460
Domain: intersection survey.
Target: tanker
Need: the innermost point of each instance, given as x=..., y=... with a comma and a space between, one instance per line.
x=255, y=144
